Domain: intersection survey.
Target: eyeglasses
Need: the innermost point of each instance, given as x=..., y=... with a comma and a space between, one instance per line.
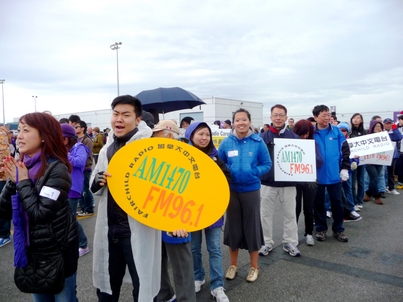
x=76, y=127
x=278, y=115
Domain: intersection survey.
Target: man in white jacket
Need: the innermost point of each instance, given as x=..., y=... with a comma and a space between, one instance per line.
x=120, y=242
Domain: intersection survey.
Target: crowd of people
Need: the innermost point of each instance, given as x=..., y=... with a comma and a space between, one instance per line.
x=61, y=164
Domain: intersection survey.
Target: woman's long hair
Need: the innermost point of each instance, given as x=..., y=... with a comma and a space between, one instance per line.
x=303, y=127
x=51, y=133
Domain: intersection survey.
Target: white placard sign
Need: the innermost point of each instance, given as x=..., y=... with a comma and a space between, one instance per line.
x=382, y=158
x=294, y=160
x=369, y=144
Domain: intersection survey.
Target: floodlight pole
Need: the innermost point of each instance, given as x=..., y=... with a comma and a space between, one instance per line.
x=35, y=97
x=116, y=47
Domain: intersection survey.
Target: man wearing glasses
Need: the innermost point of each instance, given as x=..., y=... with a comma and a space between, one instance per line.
x=331, y=174
x=273, y=192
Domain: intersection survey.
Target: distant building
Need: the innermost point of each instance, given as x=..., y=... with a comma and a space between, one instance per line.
x=215, y=109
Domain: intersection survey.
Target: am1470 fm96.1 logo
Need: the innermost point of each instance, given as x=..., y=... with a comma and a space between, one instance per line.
x=168, y=185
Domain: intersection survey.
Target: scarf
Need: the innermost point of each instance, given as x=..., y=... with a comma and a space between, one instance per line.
x=33, y=164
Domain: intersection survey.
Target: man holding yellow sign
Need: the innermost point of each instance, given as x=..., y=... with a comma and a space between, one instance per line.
x=119, y=240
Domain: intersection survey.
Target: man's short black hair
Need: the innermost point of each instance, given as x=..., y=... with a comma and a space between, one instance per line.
x=74, y=118
x=64, y=120
x=83, y=125
x=375, y=117
x=311, y=119
x=129, y=100
x=279, y=106
x=318, y=109
x=400, y=117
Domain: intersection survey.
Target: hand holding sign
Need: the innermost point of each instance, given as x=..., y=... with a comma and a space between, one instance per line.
x=168, y=185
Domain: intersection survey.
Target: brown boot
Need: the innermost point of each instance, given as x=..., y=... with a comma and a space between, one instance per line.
x=378, y=200
x=367, y=198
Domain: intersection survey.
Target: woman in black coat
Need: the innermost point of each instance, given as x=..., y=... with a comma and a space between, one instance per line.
x=43, y=185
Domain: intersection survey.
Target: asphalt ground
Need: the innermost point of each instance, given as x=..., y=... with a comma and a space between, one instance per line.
x=367, y=268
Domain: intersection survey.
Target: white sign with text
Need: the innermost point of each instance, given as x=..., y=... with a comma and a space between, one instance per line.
x=294, y=160
x=370, y=144
x=382, y=158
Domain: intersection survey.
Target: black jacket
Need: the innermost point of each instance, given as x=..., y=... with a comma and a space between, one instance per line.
x=268, y=136
x=51, y=222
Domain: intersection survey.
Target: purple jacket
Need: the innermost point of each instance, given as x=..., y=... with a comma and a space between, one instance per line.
x=77, y=157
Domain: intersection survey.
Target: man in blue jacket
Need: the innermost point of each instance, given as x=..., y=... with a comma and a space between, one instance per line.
x=273, y=192
x=334, y=170
x=396, y=137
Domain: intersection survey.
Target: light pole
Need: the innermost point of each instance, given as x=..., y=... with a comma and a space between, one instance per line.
x=35, y=97
x=116, y=47
x=2, y=93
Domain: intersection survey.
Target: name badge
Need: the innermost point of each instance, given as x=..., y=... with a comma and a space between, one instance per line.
x=49, y=193
x=233, y=153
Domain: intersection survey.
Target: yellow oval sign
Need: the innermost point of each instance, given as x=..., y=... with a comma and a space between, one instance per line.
x=168, y=185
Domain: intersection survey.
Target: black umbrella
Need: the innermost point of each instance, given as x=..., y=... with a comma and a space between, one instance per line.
x=165, y=100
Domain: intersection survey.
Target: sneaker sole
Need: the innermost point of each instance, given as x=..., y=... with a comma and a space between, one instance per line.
x=335, y=236
x=5, y=243
x=291, y=253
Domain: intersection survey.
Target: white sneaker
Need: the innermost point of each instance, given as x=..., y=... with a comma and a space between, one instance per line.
x=393, y=192
x=355, y=214
x=309, y=240
x=357, y=208
x=219, y=295
x=328, y=214
x=198, y=285
x=265, y=250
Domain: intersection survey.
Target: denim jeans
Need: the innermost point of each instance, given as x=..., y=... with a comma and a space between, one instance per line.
x=87, y=200
x=327, y=201
x=334, y=191
x=380, y=181
x=373, y=173
x=357, y=184
x=120, y=257
x=83, y=242
x=348, y=201
x=213, y=240
x=68, y=294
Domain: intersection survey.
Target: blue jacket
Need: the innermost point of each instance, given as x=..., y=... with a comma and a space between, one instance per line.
x=78, y=157
x=247, y=159
x=395, y=136
x=268, y=137
x=335, y=154
x=212, y=152
x=168, y=238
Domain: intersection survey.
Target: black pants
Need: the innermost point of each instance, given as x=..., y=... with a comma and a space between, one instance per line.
x=305, y=199
x=391, y=170
x=120, y=256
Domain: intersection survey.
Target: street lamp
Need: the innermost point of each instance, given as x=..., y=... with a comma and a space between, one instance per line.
x=2, y=93
x=116, y=47
x=35, y=97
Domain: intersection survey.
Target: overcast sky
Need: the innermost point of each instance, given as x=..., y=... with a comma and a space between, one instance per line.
x=297, y=53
